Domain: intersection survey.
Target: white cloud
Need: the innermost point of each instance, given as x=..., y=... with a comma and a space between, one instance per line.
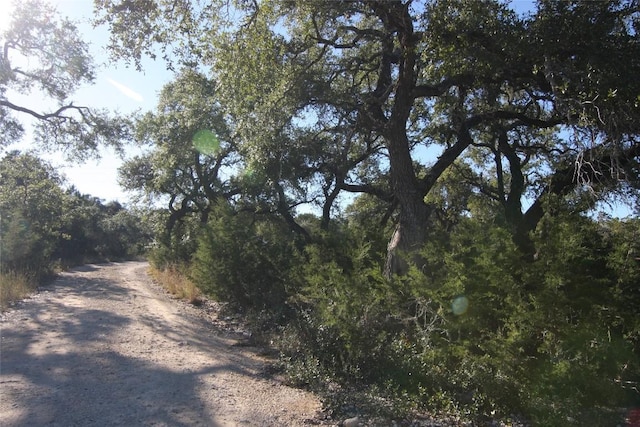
x=128, y=92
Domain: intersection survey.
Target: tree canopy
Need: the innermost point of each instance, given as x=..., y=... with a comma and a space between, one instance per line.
x=399, y=193
x=43, y=52
x=327, y=98
x=191, y=150
x=45, y=226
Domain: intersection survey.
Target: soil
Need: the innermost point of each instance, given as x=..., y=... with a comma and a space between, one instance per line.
x=105, y=346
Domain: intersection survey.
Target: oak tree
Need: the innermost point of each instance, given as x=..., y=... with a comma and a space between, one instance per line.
x=550, y=96
x=44, y=54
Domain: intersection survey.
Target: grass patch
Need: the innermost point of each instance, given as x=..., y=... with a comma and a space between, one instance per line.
x=177, y=283
x=15, y=286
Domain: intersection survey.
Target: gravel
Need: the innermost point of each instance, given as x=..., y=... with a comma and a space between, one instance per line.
x=104, y=346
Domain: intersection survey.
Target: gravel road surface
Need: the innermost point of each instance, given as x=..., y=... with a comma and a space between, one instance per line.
x=104, y=346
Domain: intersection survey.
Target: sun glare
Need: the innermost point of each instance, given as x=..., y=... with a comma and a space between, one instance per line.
x=6, y=10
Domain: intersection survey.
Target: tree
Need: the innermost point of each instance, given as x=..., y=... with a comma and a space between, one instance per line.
x=31, y=205
x=91, y=230
x=552, y=94
x=41, y=51
x=191, y=153
x=41, y=224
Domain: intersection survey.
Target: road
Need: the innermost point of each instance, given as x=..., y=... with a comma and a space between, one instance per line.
x=104, y=346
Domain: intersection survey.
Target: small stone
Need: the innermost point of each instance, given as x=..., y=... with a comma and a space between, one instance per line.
x=351, y=422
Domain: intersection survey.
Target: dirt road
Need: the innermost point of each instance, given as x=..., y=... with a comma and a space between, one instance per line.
x=103, y=346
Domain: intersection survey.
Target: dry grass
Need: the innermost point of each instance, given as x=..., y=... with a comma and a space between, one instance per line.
x=15, y=286
x=177, y=283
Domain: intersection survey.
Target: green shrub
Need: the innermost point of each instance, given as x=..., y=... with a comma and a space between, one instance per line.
x=478, y=330
x=544, y=338
x=245, y=260
x=176, y=247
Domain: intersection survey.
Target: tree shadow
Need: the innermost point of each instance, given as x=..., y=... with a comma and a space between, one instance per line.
x=58, y=366
x=84, y=268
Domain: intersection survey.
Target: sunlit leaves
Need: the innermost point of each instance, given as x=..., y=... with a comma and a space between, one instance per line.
x=44, y=54
x=44, y=50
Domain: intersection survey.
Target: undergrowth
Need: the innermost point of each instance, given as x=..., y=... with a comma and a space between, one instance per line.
x=476, y=331
x=15, y=286
x=176, y=282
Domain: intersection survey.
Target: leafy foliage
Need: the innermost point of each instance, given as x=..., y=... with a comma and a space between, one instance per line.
x=552, y=340
x=42, y=224
x=245, y=260
x=499, y=293
x=32, y=203
x=40, y=51
x=328, y=99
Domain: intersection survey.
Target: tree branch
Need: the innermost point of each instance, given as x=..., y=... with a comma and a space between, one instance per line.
x=564, y=180
x=423, y=91
x=446, y=159
x=368, y=189
x=46, y=116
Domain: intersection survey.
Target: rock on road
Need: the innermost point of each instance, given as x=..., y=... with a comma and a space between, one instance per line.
x=104, y=346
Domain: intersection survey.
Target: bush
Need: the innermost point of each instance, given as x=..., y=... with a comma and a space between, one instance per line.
x=245, y=260
x=177, y=247
x=546, y=338
x=348, y=322
x=478, y=330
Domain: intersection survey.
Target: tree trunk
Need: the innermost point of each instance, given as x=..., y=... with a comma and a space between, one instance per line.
x=410, y=233
x=408, y=238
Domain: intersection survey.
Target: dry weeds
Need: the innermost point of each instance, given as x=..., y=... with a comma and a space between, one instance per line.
x=15, y=286
x=177, y=283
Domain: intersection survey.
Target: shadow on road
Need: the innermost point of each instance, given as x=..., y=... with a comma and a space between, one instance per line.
x=59, y=367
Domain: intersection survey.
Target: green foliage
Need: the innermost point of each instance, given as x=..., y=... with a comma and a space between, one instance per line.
x=326, y=98
x=543, y=338
x=171, y=247
x=245, y=259
x=31, y=204
x=509, y=308
x=42, y=225
x=20, y=244
x=555, y=340
x=44, y=53
x=345, y=294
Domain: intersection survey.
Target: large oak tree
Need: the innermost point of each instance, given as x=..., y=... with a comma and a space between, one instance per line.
x=190, y=151
x=551, y=97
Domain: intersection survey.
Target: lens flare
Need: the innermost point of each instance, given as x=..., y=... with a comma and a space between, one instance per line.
x=206, y=142
x=460, y=305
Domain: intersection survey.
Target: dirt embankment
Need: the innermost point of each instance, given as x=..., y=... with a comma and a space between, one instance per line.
x=104, y=346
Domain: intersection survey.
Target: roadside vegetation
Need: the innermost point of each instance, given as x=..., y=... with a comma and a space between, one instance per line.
x=404, y=198
x=475, y=331
x=481, y=282
x=15, y=286
x=177, y=283
x=45, y=228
